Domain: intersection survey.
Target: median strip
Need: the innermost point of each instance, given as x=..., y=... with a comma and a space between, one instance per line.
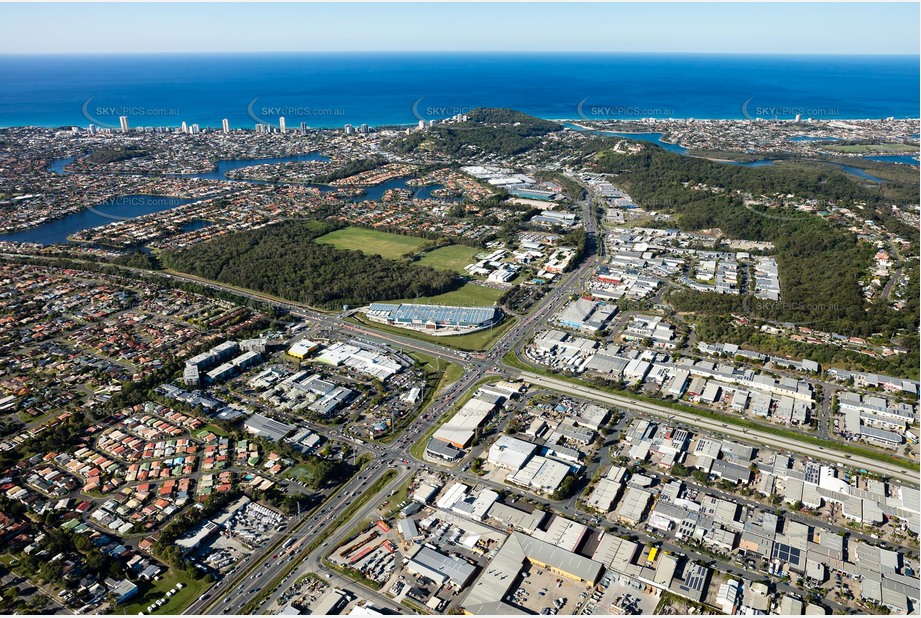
x=334, y=525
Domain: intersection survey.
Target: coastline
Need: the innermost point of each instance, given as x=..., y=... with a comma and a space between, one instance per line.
x=402, y=126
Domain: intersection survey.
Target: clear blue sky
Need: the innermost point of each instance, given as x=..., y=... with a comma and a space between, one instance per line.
x=814, y=28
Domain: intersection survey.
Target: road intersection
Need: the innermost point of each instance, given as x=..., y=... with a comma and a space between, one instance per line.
x=261, y=573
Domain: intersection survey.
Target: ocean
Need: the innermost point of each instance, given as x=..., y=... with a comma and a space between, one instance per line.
x=332, y=89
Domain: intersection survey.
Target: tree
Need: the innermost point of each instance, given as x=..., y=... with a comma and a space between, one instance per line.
x=701, y=477
x=566, y=489
x=283, y=261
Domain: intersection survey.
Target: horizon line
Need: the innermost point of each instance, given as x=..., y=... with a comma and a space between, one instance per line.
x=459, y=51
x=576, y=120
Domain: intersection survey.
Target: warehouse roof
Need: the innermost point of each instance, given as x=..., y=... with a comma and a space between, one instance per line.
x=564, y=533
x=460, y=429
x=511, y=453
x=615, y=552
x=435, y=565
x=439, y=314
x=487, y=592
x=516, y=518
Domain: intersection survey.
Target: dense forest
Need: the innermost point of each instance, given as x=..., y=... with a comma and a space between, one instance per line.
x=667, y=171
x=501, y=132
x=283, y=260
x=716, y=328
x=520, y=122
x=820, y=263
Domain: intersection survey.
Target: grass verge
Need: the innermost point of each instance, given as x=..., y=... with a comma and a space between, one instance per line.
x=472, y=342
x=191, y=590
x=415, y=607
x=399, y=497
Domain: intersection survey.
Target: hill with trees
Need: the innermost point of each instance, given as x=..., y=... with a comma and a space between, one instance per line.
x=503, y=132
x=820, y=263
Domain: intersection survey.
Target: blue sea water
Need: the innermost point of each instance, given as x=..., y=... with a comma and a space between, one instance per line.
x=331, y=89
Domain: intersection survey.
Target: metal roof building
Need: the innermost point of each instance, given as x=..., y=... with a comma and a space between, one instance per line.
x=730, y=471
x=487, y=593
x=516, y=518
x=633, y=505
x=510, y=453
x=267, y=427
x=603, y=495
x=541, y=473
x=407, y=529
x=441, y=568
x=564, y=533
x=460, y=430
x=434, y=316
x=615, y=552
x=439, y=449
x=695, y=581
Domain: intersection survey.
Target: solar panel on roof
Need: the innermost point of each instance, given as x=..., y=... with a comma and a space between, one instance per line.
x=785, y=553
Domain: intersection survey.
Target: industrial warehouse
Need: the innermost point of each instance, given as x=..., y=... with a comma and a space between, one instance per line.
x=435, y=319
x=489, y=593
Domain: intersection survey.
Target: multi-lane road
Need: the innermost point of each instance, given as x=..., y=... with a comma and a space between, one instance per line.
x=263, y=568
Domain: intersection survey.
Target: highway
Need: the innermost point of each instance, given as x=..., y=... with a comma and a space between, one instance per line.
x=230, y=594
x=259, y=572
x=262, y=569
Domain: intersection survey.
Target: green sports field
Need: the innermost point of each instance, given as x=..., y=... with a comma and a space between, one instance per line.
x=468, y=295
x=384, y=244
x=454, y=257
